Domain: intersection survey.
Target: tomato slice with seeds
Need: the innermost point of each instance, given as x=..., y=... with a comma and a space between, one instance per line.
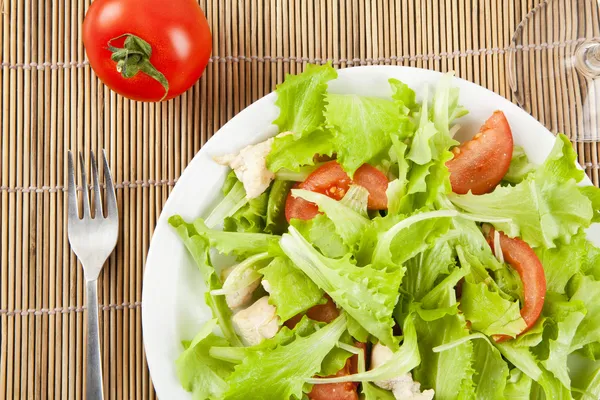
x=336, y=391
x=331, y=180
x=523, y=259
x=480, y=164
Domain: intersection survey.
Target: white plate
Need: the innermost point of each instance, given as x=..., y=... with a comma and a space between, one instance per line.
x=172, y=302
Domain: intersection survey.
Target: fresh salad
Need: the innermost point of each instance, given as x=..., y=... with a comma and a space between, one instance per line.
x=374, y=256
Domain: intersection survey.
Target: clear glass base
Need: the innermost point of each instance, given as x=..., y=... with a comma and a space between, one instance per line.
x=554, y=67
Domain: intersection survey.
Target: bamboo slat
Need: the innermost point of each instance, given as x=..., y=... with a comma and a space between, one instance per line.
x=52, y=101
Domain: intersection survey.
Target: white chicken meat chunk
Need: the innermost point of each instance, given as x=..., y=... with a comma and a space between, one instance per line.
x=266, y=285
x=250, y=166
x=403, y=387
x=257, y=322
x=243, y=296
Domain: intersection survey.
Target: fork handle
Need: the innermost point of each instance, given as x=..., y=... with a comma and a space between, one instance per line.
x=94, y=363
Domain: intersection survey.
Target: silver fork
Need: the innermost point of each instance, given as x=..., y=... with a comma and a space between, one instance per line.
x=92, y=240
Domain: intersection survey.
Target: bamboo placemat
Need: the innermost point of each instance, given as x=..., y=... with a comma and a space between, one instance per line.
x=51, y=102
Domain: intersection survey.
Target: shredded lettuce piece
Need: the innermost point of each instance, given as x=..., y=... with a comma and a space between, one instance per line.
x=322, y=233
x=349, y=224
x=450, y=372
x=281, y=373
x=356, y=199
x=402, y=361
x=198, y=247
x=239, y=243
x=231, y=203
x=291, y=291
x=200, y=373
x=242, y=275
x=362, y=127
x=296, y=176
x=382, y=255
x=489, y=312
x=300, y=99
x=520, y=167
x=403, y=96
x=368, y=295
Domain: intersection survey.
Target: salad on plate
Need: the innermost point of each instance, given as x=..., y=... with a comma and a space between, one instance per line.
x=363, y=252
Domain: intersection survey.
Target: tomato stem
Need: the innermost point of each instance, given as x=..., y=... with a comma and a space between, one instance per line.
x=134, y=57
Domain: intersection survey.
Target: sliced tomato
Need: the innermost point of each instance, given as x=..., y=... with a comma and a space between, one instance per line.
x=523, y=259
x=481, y=163
x=336, y=391
x=322, y=312
x=331, y=180
x=299, y=208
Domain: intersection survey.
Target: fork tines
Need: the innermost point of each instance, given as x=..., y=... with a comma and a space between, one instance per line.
x=111, y=202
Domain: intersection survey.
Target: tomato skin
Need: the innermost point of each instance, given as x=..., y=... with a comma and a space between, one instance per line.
x=321, y=312
x=523, y=259
x=299, y=208
x=336, y=391
x=481, y=163
x=331, y=180
x=176, y=30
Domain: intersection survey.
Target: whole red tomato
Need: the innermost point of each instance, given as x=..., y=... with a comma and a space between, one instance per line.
x=147, y=50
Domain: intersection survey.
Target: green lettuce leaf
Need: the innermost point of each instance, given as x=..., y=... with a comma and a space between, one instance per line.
x=403, y=96
x=362, y=127
x=431, y=139
x=445, y=104
x=546, y=207
x=236, y=355
x=593, y=193
x=349, y=224
x=281, y=372
x=238, y=243
x=491, y=371
x=586, y=290
x=368, y=295
x=489, y=312
x=235, y=198
x=200, y=373
x=563, y=261
x=291, y=291
x=449, y=372
x=250, y=217
x=518, y=386
x=520, y=167
x=410, y=236
x=291, y=153
x=586, y=378
x=198, y=247
x=423, y=270
x=300, y=99
x=397, y=188
x=402, y=361
x=322, y=233
x=372, y=392
x=567, y=315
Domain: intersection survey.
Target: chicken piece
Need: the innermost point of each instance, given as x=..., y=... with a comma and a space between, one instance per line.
x=243, y=296
x=403, y=387
x=257, y=322
x=250, y=166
